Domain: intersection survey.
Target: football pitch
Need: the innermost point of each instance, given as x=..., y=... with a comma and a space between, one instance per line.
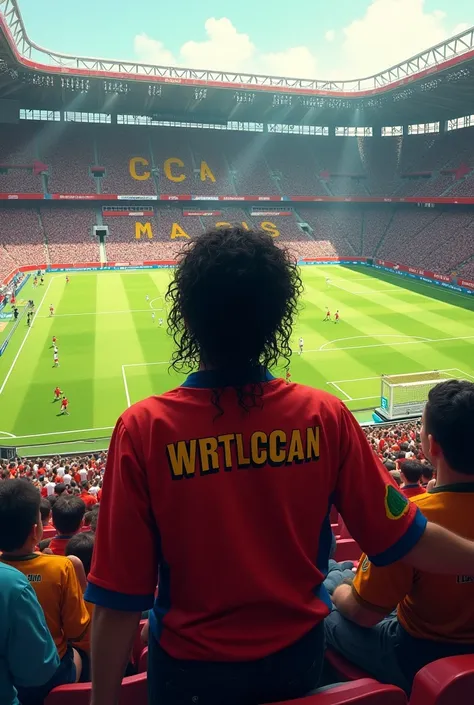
x=112, y=353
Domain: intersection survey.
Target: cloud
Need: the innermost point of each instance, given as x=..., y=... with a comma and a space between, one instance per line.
x=388, y=32
x=227, y=49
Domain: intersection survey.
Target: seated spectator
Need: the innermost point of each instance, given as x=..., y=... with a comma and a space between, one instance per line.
x=90, y=519
x=45, y=511
x=52, y=577
x=411, y=472
x=59, y=489
x=426, y=475
x=435, y=613
x=68, y=514
x=81, y=547
x=88, y=499
x=28, y=655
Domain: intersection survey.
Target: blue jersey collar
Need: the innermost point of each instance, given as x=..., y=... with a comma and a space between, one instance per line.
x=212, y=379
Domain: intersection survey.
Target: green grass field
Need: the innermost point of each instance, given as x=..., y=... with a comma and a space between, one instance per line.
x=113, y=354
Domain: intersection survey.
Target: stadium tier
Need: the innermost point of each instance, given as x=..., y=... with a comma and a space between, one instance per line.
x=136, y=161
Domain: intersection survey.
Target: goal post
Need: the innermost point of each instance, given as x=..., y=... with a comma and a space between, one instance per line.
x=404, y=396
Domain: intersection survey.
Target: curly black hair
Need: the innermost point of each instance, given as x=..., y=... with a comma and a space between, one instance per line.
x=232, y=301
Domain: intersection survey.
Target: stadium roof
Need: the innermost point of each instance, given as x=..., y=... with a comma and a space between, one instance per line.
x=436, y=85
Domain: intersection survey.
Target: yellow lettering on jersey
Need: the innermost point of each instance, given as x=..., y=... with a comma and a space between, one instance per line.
x=177, y=231
x=242, y=461
x=258, y=448
x=312, y=443
x=276, y=448
x=143, y=229
x=206, y=173
x=295, y=451
x=209, y=455
x=222, y=225
x=182, y=458
x=132, y=168
x=225, y=441
x=270, y=228
x=169, y=174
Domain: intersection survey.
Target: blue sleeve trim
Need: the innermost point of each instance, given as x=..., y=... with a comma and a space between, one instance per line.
x=404, y=544
x=117, y=600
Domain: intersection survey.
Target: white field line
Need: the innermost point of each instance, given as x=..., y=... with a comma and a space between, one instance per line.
x=461, y=371
x=146, y=364
x=127, y=394
x=369, y=292
x=361, y=337
x=383, y=345
x=65, y=433
x=15, y=359
x=366, y=379
x=341, y=391
x=8, y=435
x=99, y=313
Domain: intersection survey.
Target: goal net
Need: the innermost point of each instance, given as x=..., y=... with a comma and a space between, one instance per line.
x=405, y=396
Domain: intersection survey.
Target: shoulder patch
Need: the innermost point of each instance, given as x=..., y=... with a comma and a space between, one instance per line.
x=396, y=505
x=365, y=565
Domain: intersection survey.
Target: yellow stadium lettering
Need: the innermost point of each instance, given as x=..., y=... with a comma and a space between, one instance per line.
x=258, y=448
x=169, y=174
x=312, y=443
x=242, y=461
x=276, y=448
x=209, y=455
x=143, y=229
x=225, y=441
x=206, y=173
x=295, y=451
x=223, y=225
x=177, y=231
x=132, y=168
x=270, y=228
x=182, y=458
x=245, y=225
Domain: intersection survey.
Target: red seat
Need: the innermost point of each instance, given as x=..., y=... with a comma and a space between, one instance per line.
x=333, y=515
x=138, y=644
x=347, y=550
x=344, y=669
x=449, y=681
x=361, y=692
x=134, y=692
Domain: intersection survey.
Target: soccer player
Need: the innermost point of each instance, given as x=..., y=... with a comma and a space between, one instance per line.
x=53, y=343
x=147, y=298
x=300, y=345
x=51, y=310
x=55, y=359
x=328, y=315
x=153, y=316
x=41, y=280
x=328, y=282
x=64, y=405
x=35, y=282
x=288, y=377
x=160, y=321
x=55, y=349
x=336, y=317
x=57, y=394
x=67, y=279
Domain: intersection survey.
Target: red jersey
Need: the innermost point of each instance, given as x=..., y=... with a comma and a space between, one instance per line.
x=51, y=309
x=88, y=499
x=58, y=544
x=412, y=490
x=57, y=392
x=328, y=314
x=336, y=316
x=241, y=576
x=64, y=403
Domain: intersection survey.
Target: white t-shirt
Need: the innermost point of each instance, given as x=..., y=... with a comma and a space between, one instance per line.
x=60, y=472
x=83, y=474
x=94, y=490
x=50, y=488
x=67, y=479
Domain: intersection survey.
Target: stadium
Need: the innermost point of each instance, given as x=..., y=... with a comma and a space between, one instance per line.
x=108, y=168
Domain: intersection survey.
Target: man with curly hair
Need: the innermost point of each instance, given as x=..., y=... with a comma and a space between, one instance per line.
x=219, y=491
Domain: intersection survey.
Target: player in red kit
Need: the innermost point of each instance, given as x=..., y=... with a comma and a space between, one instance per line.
x=67, y=279
x=239, y=614
x=336, y=317
x=64, y=406
x=51, y=310
x=288, y=377
x=57, y=394
x=328, y=315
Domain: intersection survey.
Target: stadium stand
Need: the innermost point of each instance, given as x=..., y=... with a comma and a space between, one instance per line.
x=22, y=239
x=68, y=233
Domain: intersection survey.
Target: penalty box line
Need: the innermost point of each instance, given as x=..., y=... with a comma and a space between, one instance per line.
x=124, y=376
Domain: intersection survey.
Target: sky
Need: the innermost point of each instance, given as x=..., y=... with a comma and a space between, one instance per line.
x=341, y=39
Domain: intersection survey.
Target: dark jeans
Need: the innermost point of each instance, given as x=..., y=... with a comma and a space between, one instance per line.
x=65, y=674
x=287, y=674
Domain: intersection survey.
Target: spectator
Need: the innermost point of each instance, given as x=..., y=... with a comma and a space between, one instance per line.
x=427, y=475
x=28, y=655
x=250, y=463
x=411, y=472
x=88, y=499
x=68, y=514
x=59, y=489
x=45, y=511
x=49, y=486
x=52, y=577
x=435, y=613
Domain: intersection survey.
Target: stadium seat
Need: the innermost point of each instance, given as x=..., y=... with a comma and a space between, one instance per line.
x=138, y=644
x=347, y=550
x=344, y=670
x=362, y=692
x=134, y=692
x=449, y=681
x=143, y=661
